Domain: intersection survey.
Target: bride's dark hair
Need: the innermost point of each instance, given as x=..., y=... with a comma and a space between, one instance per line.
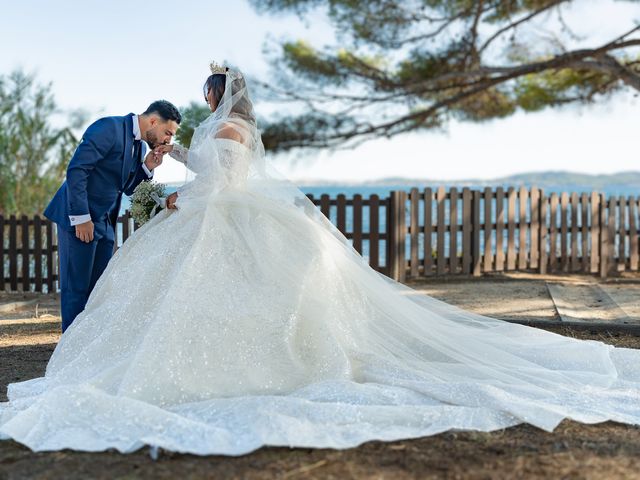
x=215, y=83
x=242, y=107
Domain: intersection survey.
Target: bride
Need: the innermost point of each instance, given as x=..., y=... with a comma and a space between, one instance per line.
x=243, y=318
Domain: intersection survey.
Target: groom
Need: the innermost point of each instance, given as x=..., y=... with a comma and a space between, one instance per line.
x=109, y=161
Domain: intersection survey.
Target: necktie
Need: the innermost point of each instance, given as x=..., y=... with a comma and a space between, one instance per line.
x=137, y=148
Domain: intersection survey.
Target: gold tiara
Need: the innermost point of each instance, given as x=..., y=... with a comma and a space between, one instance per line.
x=217, y=69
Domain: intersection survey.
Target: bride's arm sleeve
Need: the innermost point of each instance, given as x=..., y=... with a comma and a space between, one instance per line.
x=179, y=153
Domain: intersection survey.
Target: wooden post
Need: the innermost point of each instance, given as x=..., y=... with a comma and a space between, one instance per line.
x=428, y=231
x=611, y=247
x=397, y=232
x=441, y=228
x=341, y=223
x=453, y=230
x=633, y=234
x=584, y=204
x=511, y=229
x=467, y=215
x=325, y=205
x=13, y=253
x=414, y=228
x=125, y=226
x=574, y=232
x=604, y=238
x=374, y=242
x=522, y=229
x=392, y=226
x=553, y=233
x=544, y=233
x=2, y=283
x=564, y=240
x=622, y=234
x=595, y=233
x=402, y=236
x=499, y=229
x=488, y=230
x=37, y=252
x=357, y=223
x=24, y=226
x=476, y=234
x=534, y=245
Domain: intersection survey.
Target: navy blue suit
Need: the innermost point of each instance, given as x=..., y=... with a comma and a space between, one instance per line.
x=103, y=167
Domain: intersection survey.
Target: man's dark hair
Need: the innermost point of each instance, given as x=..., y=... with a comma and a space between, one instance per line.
x=166, y=110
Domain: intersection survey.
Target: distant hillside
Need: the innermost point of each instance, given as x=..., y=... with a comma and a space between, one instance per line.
x=550, y=178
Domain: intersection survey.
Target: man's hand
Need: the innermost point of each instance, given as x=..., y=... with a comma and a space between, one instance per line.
x=171, y=201
x=84, y=231
x=153, y=159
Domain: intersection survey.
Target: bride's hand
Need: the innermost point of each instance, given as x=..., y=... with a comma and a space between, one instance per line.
x=171, y=201
x=163, y=149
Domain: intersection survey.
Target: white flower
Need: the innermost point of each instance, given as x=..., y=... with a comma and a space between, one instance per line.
x=142, y=202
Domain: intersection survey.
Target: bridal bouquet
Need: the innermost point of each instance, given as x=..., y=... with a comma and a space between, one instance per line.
x=147, y=199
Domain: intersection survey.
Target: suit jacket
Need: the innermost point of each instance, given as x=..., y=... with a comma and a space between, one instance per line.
x=100, y=171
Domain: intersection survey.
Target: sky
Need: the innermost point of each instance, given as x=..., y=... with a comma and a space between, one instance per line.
x=115, y=57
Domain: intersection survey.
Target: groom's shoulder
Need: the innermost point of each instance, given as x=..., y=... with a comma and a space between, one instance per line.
x=111, y=120
x=106, y=124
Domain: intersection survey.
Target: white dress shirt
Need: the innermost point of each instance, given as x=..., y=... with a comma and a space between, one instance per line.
x=79, y=219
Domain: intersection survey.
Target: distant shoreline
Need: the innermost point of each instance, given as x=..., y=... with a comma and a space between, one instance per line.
x=621, y=179
x=556, y=180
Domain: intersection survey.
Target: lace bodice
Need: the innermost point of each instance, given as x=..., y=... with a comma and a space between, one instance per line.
x=218, y=165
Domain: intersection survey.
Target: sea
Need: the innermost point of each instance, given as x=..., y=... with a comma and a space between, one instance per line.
x=383, y=191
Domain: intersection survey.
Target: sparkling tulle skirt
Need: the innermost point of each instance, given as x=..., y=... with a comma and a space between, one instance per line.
x=243, y=322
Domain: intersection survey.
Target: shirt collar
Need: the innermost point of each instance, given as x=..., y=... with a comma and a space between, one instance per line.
x=136, y=128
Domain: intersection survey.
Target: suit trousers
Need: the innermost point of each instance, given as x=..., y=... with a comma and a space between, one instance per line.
x=80, y=266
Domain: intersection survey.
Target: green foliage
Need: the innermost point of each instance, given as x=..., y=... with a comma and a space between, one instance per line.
x=406, y=65
x=33, y=152
x=192, y=116
x=535, y=92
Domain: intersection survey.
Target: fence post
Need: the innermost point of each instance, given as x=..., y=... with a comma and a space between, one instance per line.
x=488, y=231
x=374, y=227
x=24, y=248
x=397, y=233
x=622, y=233
x=604, y=237
x=402, y=236
x=414, y=227
x=475, y=240
x=428, y=231
x=633, y=235
x=467, y=215
x=2, y=284
x=534, y=231
x=611, y=234
x=37, y=252
x=544, y=235
x=392, y=222
x=13, y=253
x=441, y=229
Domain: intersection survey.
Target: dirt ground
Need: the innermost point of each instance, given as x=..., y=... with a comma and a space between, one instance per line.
x=29, y=335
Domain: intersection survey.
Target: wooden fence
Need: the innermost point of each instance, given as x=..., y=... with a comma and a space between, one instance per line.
x=417, y=234
x=28, y=254
x=481, y=231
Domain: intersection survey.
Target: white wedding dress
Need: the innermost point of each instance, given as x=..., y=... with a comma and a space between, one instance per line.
x=246, y=319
